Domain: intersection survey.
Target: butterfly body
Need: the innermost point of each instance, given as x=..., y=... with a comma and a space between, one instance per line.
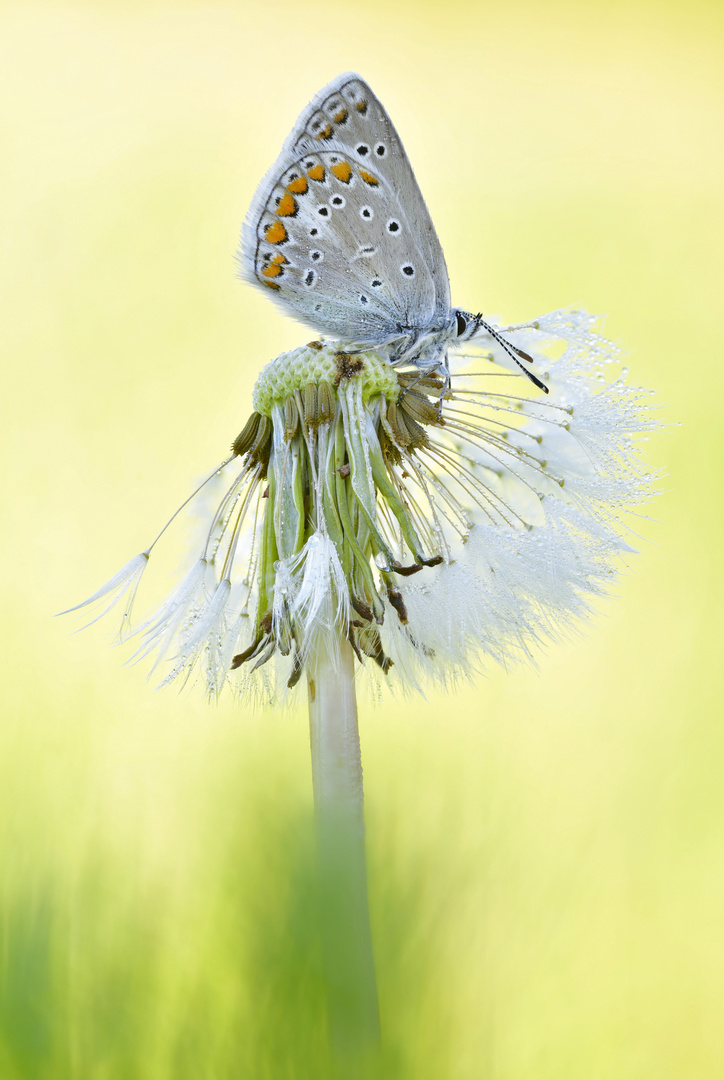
x=338, y=234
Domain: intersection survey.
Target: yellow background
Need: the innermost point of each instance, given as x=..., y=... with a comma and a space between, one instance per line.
x=547, y=883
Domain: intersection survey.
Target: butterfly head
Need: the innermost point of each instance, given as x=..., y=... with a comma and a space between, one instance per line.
x=465, y=324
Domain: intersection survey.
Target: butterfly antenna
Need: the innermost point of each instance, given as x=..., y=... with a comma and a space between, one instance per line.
x=513, y=353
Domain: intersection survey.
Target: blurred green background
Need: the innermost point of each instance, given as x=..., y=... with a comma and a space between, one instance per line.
x=546, y=875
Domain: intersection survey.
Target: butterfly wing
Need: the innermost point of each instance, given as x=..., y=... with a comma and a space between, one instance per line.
x=338, y=231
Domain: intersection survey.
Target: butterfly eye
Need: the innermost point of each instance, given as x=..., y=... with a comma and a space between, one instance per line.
x=408, y=271
x=363, y=149
x=380, y=149
x=393, y=226
x=366, y=212
x=462, y=323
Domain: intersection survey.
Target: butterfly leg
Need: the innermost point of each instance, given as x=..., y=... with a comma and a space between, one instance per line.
x=446, y=387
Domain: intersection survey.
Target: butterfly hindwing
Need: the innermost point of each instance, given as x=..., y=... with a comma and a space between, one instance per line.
x=338, y=230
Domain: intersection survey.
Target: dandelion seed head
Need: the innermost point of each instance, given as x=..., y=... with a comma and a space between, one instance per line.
x=437, y=523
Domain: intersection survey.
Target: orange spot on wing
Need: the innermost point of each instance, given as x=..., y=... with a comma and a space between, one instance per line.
x=275, y=233
x=341, y=116
x=369, y=178
x=278, y=259
x=287, y=206
x=298, y=186
x=316, y=172
x=272, y=270
x=272, y=284
x=326, y=132
x=361, y=107
x=343, y=171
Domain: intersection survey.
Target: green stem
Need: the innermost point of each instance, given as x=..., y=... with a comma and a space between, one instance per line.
x=338, y=804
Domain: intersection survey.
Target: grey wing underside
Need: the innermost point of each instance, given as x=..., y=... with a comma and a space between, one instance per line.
x=318, y=233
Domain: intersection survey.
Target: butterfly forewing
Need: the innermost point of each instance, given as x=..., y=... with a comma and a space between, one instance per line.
x=338, y=230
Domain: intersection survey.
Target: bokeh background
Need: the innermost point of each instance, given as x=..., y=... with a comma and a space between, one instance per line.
x=546, y=874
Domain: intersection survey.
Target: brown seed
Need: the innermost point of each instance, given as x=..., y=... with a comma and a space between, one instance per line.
x=310, y=406
x=371, y=646
x=297, y=669
x=419, y=407
x=418, y=435
x=406, y=571
x=361, y=608
x=430, y=381
x=253, y=649
x=435, y=560
x=261, y=446
x=291, y=418
x=398, y=604
x=408, y=433
x=388, y=448
x=245, y=439
x=353, y=640
x=325, y=394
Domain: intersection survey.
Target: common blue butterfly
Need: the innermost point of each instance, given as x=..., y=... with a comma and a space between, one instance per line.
x=339, y=235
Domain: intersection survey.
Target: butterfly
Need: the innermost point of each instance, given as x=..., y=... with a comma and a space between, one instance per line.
x=338, y=234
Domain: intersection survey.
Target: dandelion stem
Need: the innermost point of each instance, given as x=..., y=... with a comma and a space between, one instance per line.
x=339, y=812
